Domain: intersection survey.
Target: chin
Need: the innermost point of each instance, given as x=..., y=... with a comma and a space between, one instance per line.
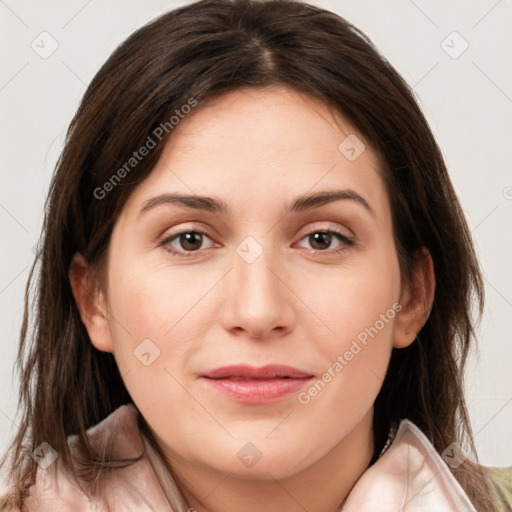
x=275, y=468
x=266, y=459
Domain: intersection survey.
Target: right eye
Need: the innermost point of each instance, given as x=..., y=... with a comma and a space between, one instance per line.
x=189, y=240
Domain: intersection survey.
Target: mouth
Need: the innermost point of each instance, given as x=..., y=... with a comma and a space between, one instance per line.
x=246, y=372
x=252, y=385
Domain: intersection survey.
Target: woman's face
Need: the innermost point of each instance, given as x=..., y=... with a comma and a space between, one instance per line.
x=258, y=288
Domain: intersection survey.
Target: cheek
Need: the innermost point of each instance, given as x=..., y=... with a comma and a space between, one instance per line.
x=152, y=337
x=155, y=302
x=359, y=310
x=354, y=300
x=358, y=352
x=159, y=320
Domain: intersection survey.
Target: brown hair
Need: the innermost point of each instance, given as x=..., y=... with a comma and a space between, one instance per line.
x=200, y=51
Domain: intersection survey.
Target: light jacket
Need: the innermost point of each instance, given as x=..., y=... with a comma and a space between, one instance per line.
x=409, y=476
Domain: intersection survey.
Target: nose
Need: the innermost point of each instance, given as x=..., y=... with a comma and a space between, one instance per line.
x=261, y=298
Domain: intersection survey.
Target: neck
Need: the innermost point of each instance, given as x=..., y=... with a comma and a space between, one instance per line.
x=322, y=487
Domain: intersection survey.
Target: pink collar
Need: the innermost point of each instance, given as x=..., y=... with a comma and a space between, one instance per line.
x=410, y=475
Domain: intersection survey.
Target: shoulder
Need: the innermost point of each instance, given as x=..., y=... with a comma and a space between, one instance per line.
x=501, y=479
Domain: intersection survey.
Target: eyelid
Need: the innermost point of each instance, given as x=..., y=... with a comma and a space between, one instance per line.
x=327, y=226
x=184, y=227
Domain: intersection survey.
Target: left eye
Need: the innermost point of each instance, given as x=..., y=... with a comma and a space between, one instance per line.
x=324, y=238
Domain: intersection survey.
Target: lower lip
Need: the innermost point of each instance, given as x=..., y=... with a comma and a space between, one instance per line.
x=256, y=391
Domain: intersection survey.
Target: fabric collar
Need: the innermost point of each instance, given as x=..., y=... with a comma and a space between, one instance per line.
x=409, y=476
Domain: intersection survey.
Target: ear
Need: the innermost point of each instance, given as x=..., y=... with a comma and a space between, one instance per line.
x=417, y=299
x=92, y=305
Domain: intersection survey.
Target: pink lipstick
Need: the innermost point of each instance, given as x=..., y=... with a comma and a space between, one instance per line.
x=252, y=385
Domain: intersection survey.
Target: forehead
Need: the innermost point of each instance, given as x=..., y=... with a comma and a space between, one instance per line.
x=272, y=122
x=267, y=145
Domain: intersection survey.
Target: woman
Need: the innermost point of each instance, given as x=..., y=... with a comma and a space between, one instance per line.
x=255, y=285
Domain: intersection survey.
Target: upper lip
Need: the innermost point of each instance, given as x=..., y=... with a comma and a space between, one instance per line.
x=270, y=371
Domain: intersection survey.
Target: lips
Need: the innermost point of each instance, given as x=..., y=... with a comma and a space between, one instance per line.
x=250, y=385
x=246, y=372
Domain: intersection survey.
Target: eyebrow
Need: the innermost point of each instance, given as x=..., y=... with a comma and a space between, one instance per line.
x=301, y=203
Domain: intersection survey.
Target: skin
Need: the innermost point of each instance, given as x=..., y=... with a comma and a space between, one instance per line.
x=298, y=303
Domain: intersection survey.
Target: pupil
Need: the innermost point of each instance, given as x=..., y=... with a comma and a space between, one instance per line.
x=322, y=238
x=188, y=240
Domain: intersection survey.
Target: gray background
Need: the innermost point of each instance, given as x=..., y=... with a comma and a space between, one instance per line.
x=467, y=100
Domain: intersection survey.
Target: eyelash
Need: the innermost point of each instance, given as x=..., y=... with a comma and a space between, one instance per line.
x=347, y=242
